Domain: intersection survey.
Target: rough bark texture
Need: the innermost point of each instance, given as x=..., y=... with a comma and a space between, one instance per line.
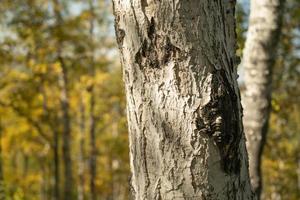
x=259, y=57
x=183, y=103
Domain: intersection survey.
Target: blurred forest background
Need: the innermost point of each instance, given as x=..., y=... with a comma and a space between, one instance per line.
x=62, y=107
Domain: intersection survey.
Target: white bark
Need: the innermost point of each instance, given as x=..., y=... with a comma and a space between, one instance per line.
x=259, y=56
x=183, y=103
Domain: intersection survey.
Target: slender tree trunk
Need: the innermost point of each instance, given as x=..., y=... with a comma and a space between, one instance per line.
x=298, y=173
x=81, y=160
x=183, y=102
x=93, y=149
x=43, y=183
x=2, y=186
x=54, y=146
x=66, y=149
x=25, y=164
x=64, y=100
x=92, y=130
x=56, y=166
x=259, y=57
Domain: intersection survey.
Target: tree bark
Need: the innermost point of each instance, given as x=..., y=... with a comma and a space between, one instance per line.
x=183, y=102
x=259, y=58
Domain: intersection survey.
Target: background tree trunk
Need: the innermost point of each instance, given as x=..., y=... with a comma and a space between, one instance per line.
x=52, y=121
x=92, y=118
x=2, y=186
x=64, y=100
x=259, y=57
x=56, y=165
x=66, y=149
x=183, y=103
x=81, y=157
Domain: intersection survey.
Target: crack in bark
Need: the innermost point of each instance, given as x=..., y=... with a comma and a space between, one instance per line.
x=156, y=50
x=120, y=34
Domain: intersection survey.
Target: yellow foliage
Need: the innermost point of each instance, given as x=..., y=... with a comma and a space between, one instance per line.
x=56, y=68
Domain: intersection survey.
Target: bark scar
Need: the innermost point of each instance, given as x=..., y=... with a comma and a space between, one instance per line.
x=219, y=120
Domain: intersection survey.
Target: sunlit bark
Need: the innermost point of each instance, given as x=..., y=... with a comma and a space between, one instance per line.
x=183, y=102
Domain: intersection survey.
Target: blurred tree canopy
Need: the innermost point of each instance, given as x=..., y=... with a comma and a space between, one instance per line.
x=281, y=161
x=36, y=48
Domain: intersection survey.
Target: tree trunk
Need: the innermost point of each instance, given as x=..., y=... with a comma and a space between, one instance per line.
x=66, y=149
x=183, y=102
x=64, y=100
x=81, y=160
x=298, y=173
x=56, y=166
x=259, y=57
x=92, y=130
x=54, y=145
x=2, y=186
x=93, y=149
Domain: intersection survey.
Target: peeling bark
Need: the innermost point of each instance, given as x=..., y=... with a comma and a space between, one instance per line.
x=183, y=103
x=259, y=58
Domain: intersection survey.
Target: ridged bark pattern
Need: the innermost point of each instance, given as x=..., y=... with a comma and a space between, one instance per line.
x=183, y=103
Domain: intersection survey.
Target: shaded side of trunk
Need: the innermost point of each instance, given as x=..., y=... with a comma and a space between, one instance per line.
x=183, y=103
x=259, y=57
